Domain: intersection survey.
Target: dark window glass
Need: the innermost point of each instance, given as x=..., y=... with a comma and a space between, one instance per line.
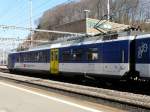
x=32, y=57
x=122, y=56
x=110, y=37
x=22, y=58
x=55, y=55
x=42, y=56
x=92, y=54
x=17, y=59
x=77, y=55
x=28, y=57
x=66, y=56
x=51, y=56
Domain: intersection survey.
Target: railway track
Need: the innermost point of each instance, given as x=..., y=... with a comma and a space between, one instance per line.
x=125, y=100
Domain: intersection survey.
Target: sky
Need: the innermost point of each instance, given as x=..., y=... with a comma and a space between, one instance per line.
x=17, y=13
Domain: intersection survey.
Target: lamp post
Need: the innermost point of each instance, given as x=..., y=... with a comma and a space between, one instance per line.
x=108, y=10
x=86, y=13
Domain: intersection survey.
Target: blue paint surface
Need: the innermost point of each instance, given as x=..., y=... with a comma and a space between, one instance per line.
x=143, y=51
x=109, y=52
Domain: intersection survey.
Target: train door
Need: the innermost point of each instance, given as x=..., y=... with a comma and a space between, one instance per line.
x=54, y=61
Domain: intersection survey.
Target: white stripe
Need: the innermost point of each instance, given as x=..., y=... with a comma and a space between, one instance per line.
x=52, y=98
x=144, y=69
x=95, y=68
x=33, y=66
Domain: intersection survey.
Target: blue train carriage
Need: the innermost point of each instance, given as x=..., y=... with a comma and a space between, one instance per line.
x=29, y=61
x=94, y=57
x=107, y=58
x=143, y=56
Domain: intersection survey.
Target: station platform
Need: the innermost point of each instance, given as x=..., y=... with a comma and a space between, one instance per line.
x=34, y=99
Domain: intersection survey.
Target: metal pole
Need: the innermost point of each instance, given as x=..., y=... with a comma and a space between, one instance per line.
x=31, y=22
x=3, y=56
x=108, y=10
x=86, y=13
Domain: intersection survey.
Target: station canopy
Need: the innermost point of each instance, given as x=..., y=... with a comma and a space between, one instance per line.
x=105, y=26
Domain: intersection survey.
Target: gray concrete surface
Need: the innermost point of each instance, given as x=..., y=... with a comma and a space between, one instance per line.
x=138, y=100
x=13, y=99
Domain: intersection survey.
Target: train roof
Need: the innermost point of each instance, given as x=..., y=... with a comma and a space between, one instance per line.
x=73, y=42
x=81, y=41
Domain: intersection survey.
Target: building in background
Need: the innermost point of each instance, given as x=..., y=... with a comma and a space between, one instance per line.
x=3, y=57
x=84, y=26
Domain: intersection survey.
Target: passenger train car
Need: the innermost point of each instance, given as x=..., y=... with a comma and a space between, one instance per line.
x=123, y=57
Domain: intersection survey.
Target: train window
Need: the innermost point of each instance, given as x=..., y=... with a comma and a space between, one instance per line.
x=32, y=57
x=44, y=56
x=66, y=56
x=17, y=59
x=110, y=37
x=77, y=55
x=25, y=57
x=52, y=56
x=28, y=57
x=40, y=56
x=35, y=56
x=122, y=56
x=21, y=58
x=92, y=54
x=56, y=55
